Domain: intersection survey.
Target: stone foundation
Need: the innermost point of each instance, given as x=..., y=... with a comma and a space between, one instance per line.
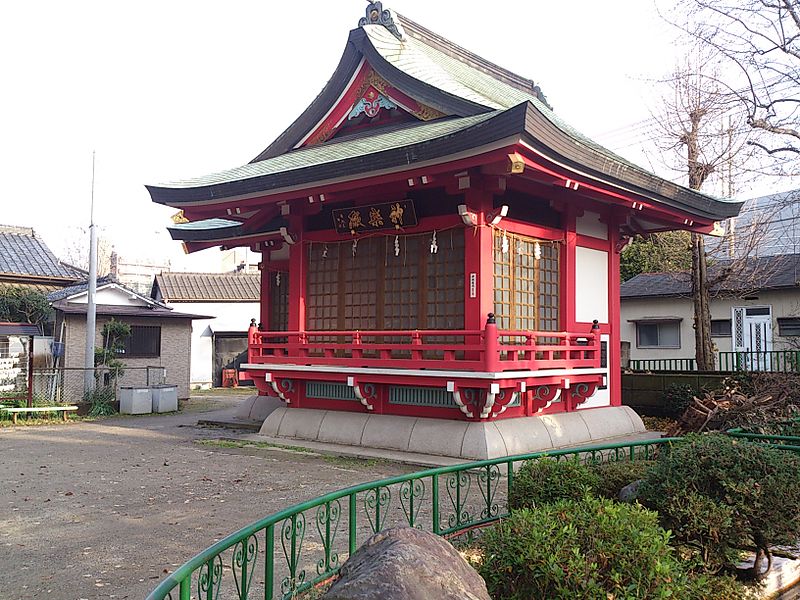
x=458, y=439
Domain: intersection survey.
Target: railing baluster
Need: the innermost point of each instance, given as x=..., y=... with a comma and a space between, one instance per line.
x=269, y=562
x=352, y=525
x=435, y=508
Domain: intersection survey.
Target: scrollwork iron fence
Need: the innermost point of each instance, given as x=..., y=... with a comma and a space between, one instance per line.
x=315, y=537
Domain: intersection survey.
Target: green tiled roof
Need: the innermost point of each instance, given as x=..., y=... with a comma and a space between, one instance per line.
x=463, y=79
x=206, y=225
x=337, y=150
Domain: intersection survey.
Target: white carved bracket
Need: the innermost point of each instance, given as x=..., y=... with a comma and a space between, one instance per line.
x=351, y=381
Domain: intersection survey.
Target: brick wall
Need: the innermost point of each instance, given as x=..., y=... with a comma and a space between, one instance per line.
x=176, y=337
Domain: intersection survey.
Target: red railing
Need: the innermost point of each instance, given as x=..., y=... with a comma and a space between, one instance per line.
x=487, y=349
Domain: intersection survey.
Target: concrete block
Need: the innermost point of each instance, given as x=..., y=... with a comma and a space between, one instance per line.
x=607, y=422
x=566, y=429
x=272, y=423
x=165, y=398
x=135, y=401
x=388, y=431
x=438, y=436
x=301, y=423
x=524, y=434
x=258, y=408
x=481, y=441
x=342, y=428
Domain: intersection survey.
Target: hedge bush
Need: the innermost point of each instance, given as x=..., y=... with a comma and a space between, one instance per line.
x=719, y=495
x=544, y=480
x=591, y=548
x=612, y=477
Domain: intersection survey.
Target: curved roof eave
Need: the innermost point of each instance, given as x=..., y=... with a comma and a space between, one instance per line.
x=579, y=156
x=348, y=63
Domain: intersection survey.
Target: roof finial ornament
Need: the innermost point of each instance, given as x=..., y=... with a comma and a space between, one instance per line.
x=376, y=15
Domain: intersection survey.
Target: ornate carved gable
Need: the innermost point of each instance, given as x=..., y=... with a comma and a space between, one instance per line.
x=369, y=101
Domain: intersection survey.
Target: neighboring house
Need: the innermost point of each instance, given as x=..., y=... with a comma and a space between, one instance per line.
x=657, y=313
x=26, y=261
x=232, y=299
x=766, y=226
x=159, y=336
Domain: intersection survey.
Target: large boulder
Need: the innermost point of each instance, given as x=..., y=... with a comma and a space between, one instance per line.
x=407, y=564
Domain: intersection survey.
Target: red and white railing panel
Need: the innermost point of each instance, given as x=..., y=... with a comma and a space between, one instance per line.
x=487, y=349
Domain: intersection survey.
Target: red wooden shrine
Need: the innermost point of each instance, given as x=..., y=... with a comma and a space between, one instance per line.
x=435, y=241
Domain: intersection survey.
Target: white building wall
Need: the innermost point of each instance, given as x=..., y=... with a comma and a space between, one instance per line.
x=784, y=303
x=591, y=291
x=228, y=316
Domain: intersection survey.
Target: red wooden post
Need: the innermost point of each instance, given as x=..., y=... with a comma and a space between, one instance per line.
x=491, y=359
x=297, y=276
x=251, y=340
x=265, y=296
x=357, y=351
x=416, y=340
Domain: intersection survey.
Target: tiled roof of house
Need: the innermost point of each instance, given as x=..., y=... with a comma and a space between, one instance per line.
x=23, y=253
x=208, y=287
x=762, y=273
x=118, y=310
x=78, y=288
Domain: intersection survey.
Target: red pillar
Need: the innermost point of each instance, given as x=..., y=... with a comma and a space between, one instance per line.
x=297, y=272
x=568, y=282
x=263, y=317
x=614, y=327
x=478, y=261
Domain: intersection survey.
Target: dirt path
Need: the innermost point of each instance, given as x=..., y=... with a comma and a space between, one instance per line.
x=101, y=509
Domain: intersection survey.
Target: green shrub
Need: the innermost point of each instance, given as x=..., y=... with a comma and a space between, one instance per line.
x=545, y=480
x=612, y=477
x=718, y=495
x=590, y=549
x=677, y=398
x=101, y=399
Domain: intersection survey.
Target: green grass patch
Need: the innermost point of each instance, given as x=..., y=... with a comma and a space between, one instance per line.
x=225, y=443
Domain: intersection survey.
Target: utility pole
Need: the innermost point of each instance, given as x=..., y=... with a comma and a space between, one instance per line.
x=91, y=306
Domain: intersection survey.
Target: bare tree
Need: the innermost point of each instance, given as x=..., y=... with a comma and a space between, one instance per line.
x=76, y=251
x=759, y=43
x=692, y=142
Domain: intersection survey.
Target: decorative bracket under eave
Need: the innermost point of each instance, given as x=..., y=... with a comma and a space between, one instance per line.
x=454, y=389
x=364, y=393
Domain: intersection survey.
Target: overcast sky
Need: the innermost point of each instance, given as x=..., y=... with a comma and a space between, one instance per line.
x=171, y=89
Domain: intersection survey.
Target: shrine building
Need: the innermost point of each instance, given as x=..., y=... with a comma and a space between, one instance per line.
x=440, y=255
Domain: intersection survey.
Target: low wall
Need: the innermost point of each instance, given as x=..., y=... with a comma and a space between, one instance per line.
x=644, y=392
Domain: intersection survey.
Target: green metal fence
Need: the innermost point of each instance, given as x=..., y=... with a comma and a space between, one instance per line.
x=664, y=364
x=782, y=361
x=788, y=437
x=301, y=546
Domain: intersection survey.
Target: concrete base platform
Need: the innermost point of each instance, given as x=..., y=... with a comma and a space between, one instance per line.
x=457, y=439
x=258, y=408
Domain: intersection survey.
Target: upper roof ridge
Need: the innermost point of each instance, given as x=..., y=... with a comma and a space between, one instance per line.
x=453, y=50
x=376, y=15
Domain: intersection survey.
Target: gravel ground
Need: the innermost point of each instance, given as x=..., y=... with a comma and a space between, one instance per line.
x=103, y=509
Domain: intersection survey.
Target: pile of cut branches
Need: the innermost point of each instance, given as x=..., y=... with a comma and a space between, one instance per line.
x=755, y=401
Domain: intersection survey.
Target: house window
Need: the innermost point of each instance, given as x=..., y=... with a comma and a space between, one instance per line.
x=4, y=347
x=526, y=283
x=658, y=334
x=143, y=342
x=721, y=328
x=789, y=326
